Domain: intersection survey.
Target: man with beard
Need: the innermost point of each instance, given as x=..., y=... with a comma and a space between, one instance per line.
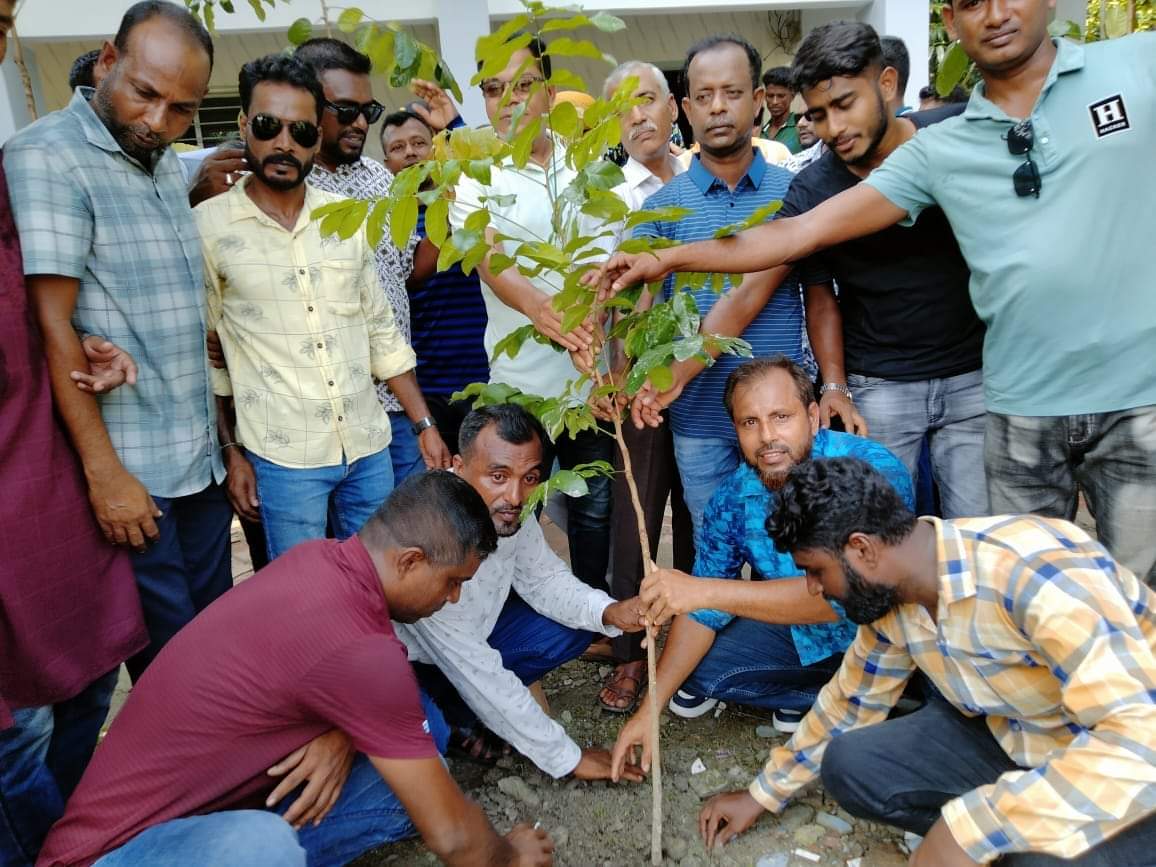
x=1055, y=143
x=765, y=642
x=524, y=614
x=341, y=168
x=304, y=327
x=110, y=248
x=1036, y=747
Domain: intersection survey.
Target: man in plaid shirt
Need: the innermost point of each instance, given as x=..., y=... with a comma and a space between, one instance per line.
x=1039, y=744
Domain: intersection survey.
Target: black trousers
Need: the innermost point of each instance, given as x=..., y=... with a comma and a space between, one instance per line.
x=449, y=415
x=652, y=460
x=901, y=772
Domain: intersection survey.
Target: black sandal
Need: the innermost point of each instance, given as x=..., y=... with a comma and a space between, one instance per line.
x=479, y=745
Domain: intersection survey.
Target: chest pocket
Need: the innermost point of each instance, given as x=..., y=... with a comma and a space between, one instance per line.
x=340, y=284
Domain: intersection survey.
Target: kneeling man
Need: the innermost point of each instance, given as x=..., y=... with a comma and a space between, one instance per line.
x=1037, y=749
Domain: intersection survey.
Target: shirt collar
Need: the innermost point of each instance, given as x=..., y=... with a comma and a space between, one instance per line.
x=956, y=580
x=241, y=207
x=1069, y=58
x=636, y=174
x=94, y=129
x=705, y=181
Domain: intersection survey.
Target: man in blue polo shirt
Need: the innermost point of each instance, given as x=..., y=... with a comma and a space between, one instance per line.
x=784, y=643
x=726, y=182
x=1046, y=181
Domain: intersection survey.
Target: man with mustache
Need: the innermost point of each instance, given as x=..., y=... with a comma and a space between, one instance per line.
x=765, y=642
x=110, y=248
x=524, y=614
x=305, y=329
x=342, y=168
x=1035, y=748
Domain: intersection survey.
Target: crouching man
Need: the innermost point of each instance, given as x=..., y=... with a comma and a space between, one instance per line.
x=1037, y=749
x=300, y=660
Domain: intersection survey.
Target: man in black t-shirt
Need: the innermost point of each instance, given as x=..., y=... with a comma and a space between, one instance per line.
x=901, y=336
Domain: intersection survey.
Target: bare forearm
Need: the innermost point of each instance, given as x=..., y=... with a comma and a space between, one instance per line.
x=512, y=288
x=482, y=845
x=686, y=645
x=781, y=601
x=405, y=388
x=825, y=331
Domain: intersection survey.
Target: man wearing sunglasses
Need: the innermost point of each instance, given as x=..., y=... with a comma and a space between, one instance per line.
x=342, y=168
x=305, y=329
x=1046, y=181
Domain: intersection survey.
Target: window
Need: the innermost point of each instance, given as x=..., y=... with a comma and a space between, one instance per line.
x=215, y=121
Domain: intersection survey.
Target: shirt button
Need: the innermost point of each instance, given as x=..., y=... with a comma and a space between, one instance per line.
x=341, y=418
x=1044, y=140
x=300, y=270
x=320, y=345
x=310, y=308
x=331, y=382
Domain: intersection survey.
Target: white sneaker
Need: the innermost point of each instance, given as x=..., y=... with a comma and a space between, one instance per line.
x=690, y=706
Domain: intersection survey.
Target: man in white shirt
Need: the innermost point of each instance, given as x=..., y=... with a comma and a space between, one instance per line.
x=520, y=203
x=476, y=658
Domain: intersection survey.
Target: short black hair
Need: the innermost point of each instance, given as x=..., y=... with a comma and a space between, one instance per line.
x=753, y=58
x=145, y=10
x=283, y=69
x=841, y=48
x=400, y=118
x=324, y=53
x=538, y=51
x=779, y=76
x=515, y=424
x=895, y=55
x=825, y=500
x=81, y=73
x=438, y=512
x=757, y=368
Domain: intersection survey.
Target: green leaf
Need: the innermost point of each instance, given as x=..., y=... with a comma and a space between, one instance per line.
x=503, y=200
x=436, y=222
x=657, y=215
x=564, y=79
x=565, y=121
x=574, y=317
x=685, y=313
x=952, y=70
x=572, y=23
x=300, y=30
x=348, y=20
x=474, y=257
x=688, y=348
x=564, y=46
x=523, y=142
x=477, y=221
x=487, y=45
x=258, y=9
x=540, y=251
x=375, y=226
x=594, y=468
x=403, y=221
x=226, y=6
x=445, y=78
x=605, y=206
x=661, y=378
x=479, y=170
x=380, y=50
x=603, y=175
x=569, y=483
x=500, y=262
x=608, y=23
x=210, y=18
x=496, y=59
x=351, y=222
x=406, y=50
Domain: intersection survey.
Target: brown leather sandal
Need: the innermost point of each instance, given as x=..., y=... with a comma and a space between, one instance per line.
x=625, y=683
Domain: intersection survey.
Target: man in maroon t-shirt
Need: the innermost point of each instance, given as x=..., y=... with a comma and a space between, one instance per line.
x=302, y=648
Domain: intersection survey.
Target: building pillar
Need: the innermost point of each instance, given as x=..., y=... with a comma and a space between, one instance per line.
x=909, y=21
x=459, y=26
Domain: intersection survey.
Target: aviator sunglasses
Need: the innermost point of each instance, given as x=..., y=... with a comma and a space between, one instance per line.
x=265, y=127
x=347, y=114
x=1026, y=179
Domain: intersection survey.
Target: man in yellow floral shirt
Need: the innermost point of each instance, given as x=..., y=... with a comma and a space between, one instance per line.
x=305, y=329
x=1037, y=746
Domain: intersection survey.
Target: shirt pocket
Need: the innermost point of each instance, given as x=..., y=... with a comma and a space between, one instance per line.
x=340, y=284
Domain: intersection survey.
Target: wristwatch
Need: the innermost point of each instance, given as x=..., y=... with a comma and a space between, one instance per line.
x=421, y=424
x=836, y=386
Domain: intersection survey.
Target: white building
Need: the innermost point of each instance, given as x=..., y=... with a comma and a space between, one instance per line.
x=54, y=32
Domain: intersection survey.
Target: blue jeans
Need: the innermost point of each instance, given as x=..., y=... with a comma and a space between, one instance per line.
x=366, y=815
x=531, y=645
x=704, y=463
x=186, y=570
x=296, y=503
x=1039, y=464
x=756, y=664
x=42, y=756
x=949, y=411
x=404, y=451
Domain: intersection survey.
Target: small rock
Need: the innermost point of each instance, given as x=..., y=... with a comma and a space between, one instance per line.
x=778, y=859
x=512, y=813
x=765, y=731
x=567, y=717
x=505, y=762
x=676, y=848
x=697, y=767
x=710, y=783
x=680, y=783
x=604, y=672
x=807, y=855
x=852, y=849
x=833, y=823
x=560, y=836
x=518, y=789
x=796, y=816
x=737, y=773
x=808, y=835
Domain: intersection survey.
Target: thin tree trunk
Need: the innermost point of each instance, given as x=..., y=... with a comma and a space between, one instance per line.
x=25, y=78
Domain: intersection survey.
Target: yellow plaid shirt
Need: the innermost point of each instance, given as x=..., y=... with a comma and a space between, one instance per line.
x=1042, y=632
x=305, y=329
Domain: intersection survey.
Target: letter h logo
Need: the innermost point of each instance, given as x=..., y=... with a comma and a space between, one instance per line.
x=1109, y=116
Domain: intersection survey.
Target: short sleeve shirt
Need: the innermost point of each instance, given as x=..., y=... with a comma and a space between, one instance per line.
x=1064, y=283
x=86, y=210
x=699, y=412
x=237, y=690
x=734, y=532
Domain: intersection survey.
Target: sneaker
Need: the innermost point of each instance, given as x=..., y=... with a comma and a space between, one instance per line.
x=787, y=721
x=690, y=706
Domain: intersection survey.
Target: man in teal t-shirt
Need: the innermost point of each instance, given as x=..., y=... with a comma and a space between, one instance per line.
x=1047, y=182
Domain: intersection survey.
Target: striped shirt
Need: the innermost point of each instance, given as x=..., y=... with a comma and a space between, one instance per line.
x=778, y=328
x=86, y=210
x=1041, y=632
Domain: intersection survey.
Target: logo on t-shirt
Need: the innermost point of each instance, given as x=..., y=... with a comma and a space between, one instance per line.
x=1109, y=116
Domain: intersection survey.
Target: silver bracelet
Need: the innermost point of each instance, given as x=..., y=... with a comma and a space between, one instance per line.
x=836, y=386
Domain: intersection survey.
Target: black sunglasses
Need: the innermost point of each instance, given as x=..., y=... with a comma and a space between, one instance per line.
x=265, y=127
x=347, y=114
x=1026, y=179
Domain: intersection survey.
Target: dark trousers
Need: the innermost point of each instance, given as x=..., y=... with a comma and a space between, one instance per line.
x=185, y=570
x=588, y=517
x=531, y=644
x=42, y=757
x=656, y=474
x=448, y=414
x=901, y=772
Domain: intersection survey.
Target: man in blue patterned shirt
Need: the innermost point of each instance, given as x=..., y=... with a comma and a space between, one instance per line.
x=779, y=644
